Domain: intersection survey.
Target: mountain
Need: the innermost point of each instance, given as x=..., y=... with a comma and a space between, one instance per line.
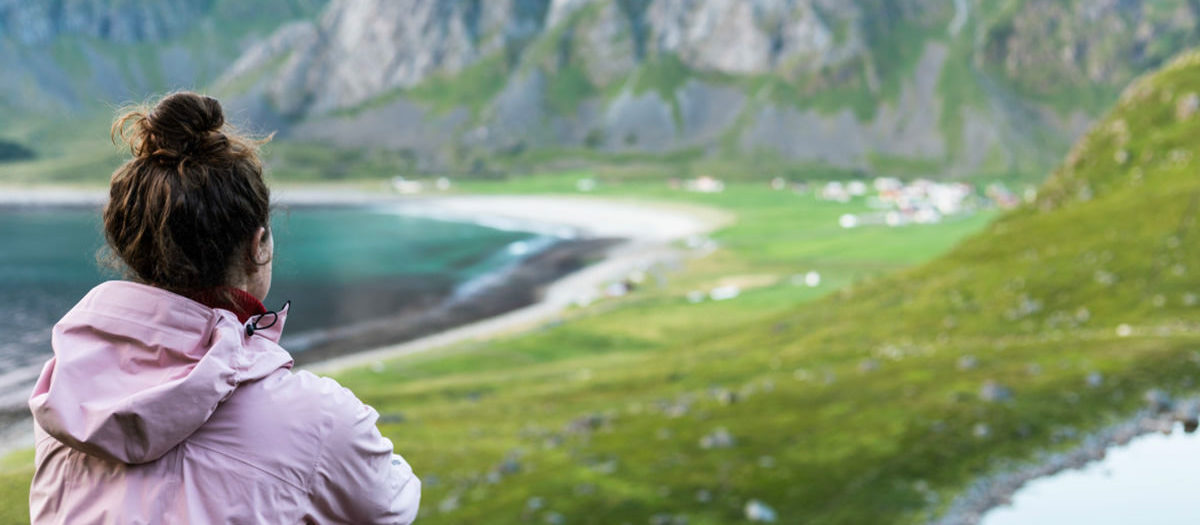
x=814, y=87
x=908, y=87
x=64, y=58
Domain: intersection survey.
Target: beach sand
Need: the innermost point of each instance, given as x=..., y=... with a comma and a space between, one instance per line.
x=646, y=233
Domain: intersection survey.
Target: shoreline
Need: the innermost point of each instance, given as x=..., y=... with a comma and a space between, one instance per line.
x=638, y=234
x=602, y=240
x=997, y=489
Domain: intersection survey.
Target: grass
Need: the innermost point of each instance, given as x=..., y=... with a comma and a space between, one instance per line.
x=469, y=408
x=16, y=472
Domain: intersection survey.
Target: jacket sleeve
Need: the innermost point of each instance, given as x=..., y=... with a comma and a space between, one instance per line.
x=357, y=478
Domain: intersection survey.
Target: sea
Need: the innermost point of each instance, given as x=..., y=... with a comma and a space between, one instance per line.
x=339, y=266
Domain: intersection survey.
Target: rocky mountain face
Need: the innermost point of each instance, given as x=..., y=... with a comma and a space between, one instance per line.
x=904, y=87
x=77, y=55
x=39, y=23
x=911, y=87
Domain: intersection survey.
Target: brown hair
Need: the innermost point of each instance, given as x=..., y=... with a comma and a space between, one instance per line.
x=182, y=211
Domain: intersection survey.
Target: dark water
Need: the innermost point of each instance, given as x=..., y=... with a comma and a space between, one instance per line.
x=338, y=266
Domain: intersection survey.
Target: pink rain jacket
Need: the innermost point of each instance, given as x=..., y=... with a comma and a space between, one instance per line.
x=158, y=409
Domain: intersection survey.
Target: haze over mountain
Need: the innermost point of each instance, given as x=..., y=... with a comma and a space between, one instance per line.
x=909, y=87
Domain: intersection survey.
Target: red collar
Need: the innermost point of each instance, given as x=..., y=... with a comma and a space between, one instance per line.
x=233, y=299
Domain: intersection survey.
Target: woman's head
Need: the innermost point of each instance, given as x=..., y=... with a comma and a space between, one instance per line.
x=189, y=212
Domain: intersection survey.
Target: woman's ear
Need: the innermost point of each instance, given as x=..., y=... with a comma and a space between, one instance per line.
x=260, y=249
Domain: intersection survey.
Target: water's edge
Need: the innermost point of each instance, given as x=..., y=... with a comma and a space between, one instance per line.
x=997, y=489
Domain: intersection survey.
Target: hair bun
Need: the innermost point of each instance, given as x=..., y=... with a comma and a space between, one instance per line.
x=184, y=125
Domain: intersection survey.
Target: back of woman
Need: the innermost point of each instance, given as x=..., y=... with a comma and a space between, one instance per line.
x=169, y=399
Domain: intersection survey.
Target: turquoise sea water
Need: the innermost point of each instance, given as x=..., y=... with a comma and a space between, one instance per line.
x=338, y=266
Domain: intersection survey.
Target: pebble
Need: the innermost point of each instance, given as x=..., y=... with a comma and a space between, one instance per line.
x=994, y=392
x=981, y=430
x=719, y=438
x=968, y=362
x=868, y=365
x=758, y=511
x=1095, y=379
x=448, y=504
x=1124, y=330
x=392, y=418
x=1158, y=401
x=668, y=519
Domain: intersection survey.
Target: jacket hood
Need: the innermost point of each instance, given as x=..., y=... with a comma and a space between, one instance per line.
x=137, y=369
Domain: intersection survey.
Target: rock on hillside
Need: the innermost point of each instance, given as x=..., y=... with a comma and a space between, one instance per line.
x=911, y=87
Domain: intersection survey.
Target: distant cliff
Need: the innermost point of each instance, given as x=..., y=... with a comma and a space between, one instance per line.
x=903, y=86
x=79, y=55
x=906, y=87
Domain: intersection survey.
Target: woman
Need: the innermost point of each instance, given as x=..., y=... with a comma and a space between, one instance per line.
x=169, y=399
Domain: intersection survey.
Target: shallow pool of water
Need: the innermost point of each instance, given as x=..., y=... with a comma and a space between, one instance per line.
x=1153, y=479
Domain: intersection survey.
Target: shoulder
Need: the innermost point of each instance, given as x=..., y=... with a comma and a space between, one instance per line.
x=301, y=391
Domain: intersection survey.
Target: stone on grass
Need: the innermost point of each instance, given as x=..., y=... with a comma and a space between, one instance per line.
x=1158, y=401
x=668, y=519
x=719, y=438
x=448, y=504
x=1124, y=330
x=758, y=511
x=968, y=362
x=391, y=418
x=554, y=518
x=981, y=430
x=509, y=466
x=1095, y=379
x=868, y=365
x=1189, y=415
x=1187, y=106
x=994, y=392
x=724, y=396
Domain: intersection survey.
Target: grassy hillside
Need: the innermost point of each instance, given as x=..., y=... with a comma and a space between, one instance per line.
x=872, y=405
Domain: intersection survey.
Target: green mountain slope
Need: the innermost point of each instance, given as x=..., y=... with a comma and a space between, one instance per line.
x=873, y=405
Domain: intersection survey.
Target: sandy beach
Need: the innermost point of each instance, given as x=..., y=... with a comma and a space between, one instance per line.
x=647, y=233
x=626, y=236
